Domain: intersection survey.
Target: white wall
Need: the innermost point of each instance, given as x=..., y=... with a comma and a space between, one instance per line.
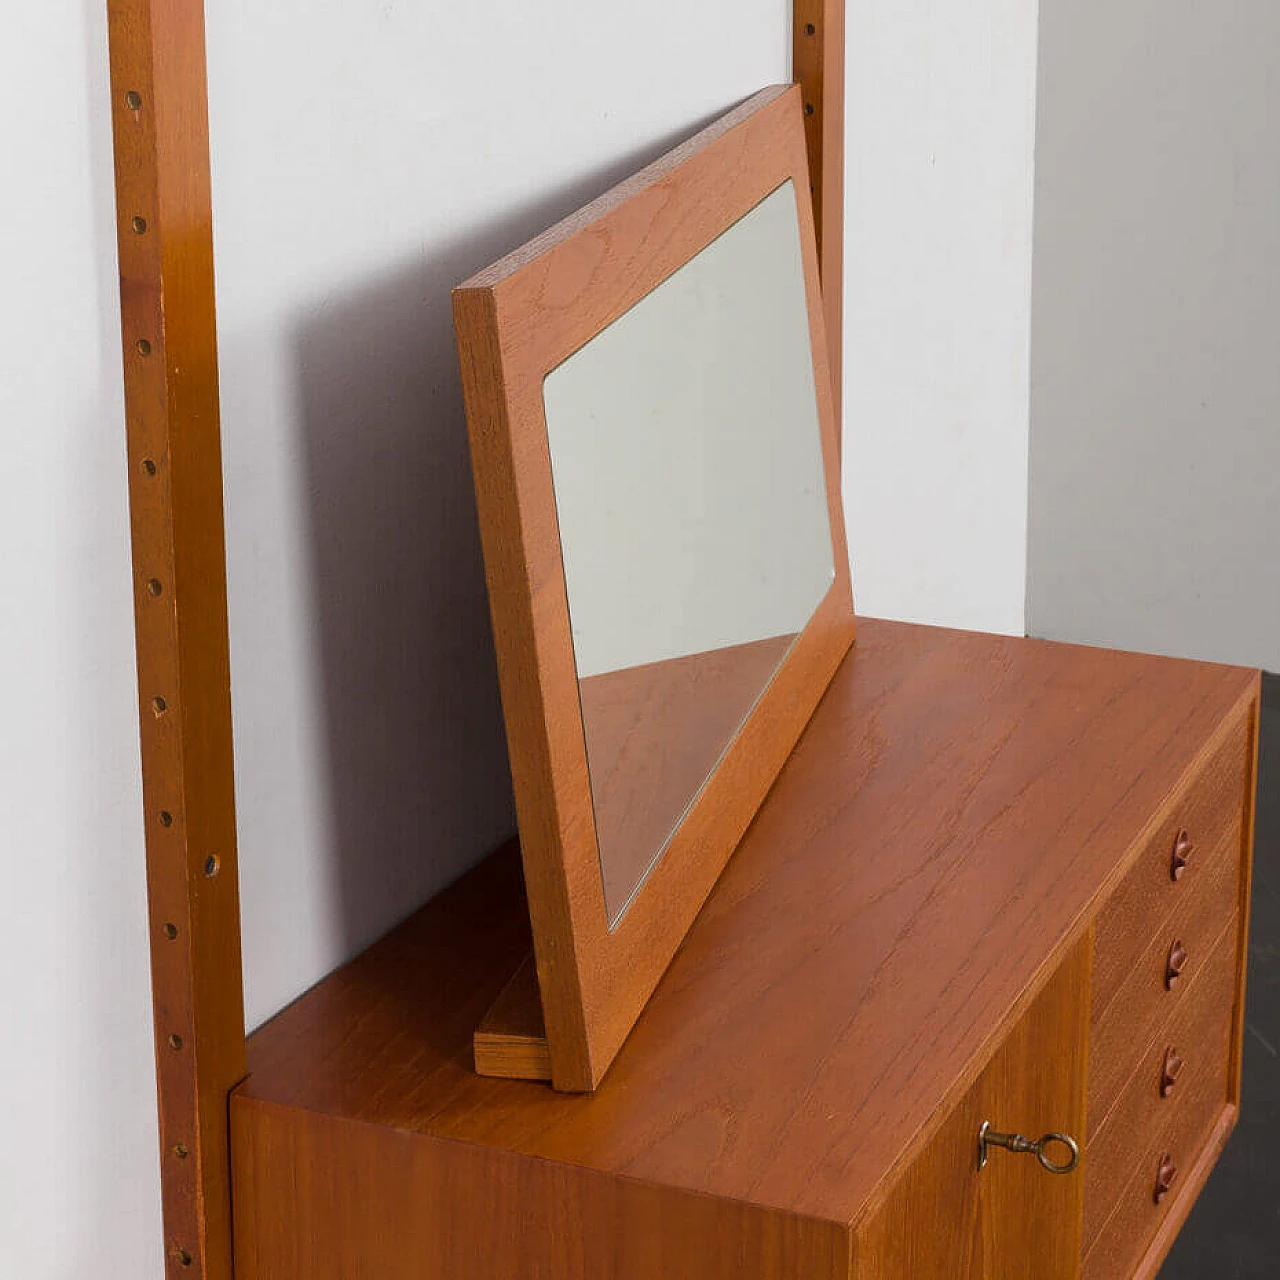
x=1155, y=445
x=940, y=127
x=79, y=1185
x=366, y=157
x=410, y=146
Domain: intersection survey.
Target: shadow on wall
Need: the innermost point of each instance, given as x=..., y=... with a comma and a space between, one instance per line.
x=415, y=745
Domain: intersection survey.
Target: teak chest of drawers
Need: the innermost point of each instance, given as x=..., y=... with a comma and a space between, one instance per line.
x=999, y=880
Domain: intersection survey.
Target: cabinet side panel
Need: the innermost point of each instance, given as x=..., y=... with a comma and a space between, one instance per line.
x=928, y=1227
x=990, y=1224
x=1246, y=886
x=329, y=1199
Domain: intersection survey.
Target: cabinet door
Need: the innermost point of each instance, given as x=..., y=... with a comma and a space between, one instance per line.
x=944, y=1219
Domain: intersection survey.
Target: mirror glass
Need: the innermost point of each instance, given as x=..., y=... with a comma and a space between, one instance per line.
x=686, y=458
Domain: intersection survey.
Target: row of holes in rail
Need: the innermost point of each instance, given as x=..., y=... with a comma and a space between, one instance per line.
x=809, y=108
x=160, y=705
x=809, y=30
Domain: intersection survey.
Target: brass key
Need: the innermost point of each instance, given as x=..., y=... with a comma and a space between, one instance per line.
x=988, y=1137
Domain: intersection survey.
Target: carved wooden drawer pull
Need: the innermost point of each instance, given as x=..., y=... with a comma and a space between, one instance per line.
x=1182, y=851
x=1169, y=1072
x=1165, y=1176
x=988, y=1137
x=1177, y=962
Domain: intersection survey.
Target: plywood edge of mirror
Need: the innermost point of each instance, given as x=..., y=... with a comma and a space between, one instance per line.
x=511, y=1041
x=513, y=609
x=515, y=322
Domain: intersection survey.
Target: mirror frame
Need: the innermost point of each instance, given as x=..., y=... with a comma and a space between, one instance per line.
x=515, y=322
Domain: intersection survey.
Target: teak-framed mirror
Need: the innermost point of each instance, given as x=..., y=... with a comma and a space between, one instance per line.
x=654, y=442
x=159, y=113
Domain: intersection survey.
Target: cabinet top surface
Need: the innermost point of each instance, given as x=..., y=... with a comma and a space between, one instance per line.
x=956, y=809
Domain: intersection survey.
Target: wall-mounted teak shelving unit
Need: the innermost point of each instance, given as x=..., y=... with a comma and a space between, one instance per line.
x=165, y=242
x=999, y=884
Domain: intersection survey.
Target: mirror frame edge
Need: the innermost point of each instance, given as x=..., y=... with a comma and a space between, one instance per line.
x=594, y=979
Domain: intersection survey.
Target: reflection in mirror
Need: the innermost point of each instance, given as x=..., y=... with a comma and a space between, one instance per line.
x=687, y=463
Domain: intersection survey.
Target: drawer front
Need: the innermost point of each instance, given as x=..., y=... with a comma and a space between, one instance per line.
x=1204, y=823
x=1147, y=999
x=1183, y=1067
x=1176, y=1144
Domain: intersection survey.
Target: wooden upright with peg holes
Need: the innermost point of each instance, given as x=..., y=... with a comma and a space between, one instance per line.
x=165, y=240
x=818, y=62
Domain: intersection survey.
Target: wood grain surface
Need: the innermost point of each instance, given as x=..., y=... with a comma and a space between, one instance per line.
x=1012, y=1219
x=165, y=245
x=516, y=321
x=1143, y=1003
x=944, y=834
x=1201, y=1032
x=511, y=1040
x=1247, y=832
x=332, y=1199
x=1210, y=810
x=1192, y=1182
x=653, y=734
x=1134, y=1220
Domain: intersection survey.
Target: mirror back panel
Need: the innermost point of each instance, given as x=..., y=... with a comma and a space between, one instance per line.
x=655, y=460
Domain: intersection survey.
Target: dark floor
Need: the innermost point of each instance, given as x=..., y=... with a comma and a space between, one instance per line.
x=1233, y=1233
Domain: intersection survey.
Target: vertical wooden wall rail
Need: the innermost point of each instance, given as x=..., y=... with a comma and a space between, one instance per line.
x=160, y=120
x=818, y=62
